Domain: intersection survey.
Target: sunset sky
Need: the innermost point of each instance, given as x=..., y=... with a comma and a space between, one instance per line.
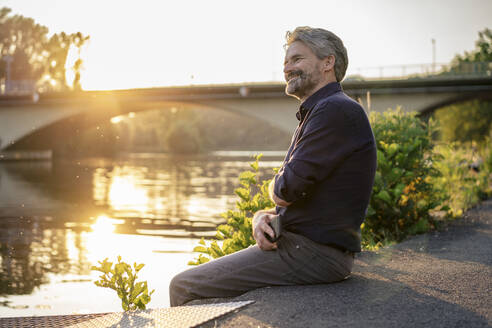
x=156, y=43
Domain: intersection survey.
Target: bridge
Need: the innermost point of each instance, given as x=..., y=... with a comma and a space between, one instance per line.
x=24, y=116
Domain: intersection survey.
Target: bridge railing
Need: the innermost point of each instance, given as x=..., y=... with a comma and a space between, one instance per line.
x=393, y=72
x=427, y=70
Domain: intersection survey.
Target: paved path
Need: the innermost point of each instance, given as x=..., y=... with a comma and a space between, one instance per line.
x=440, y=279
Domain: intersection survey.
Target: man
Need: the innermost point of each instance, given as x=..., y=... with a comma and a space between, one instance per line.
x=322, y=190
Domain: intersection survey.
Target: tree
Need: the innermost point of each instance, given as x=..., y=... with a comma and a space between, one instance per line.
x=466, y=122
x=482, y=51
x=78, y=40
x=34, y=57
x=21, y=38
x=478, y=60
x=472, y=120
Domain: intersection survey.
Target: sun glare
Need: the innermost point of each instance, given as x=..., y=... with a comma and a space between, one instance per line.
x=103, y=225
x=102, y=242
x=126, y=194
x=117, y=119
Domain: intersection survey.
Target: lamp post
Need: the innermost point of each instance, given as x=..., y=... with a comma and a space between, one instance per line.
x=433, y=56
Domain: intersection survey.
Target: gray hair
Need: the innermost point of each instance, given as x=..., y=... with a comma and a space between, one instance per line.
x=323, y=43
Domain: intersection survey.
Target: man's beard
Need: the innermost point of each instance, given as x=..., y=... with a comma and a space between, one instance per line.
x=300, y=83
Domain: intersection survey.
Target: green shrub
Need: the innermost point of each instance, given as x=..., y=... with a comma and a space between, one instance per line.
x=465, y=187
x=486, y=153
x=403, y=194
x=237, y=233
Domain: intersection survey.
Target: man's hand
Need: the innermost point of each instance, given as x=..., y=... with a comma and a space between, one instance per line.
x=261, y=226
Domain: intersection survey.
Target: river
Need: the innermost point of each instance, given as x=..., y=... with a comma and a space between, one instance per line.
x=58, y=218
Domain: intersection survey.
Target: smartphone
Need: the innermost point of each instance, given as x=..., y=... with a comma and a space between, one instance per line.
x=277, y=229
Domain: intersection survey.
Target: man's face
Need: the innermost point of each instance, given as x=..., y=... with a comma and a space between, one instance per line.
x=302, y=71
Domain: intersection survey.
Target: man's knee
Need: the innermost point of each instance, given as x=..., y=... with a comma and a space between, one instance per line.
x=178, y=293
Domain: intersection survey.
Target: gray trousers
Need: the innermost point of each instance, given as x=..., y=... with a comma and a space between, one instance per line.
x=297, y=261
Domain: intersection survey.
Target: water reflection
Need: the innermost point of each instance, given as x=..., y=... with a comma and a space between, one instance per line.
x=58, y=219
x=29, y=249
x=126, y=195
x=20, y=272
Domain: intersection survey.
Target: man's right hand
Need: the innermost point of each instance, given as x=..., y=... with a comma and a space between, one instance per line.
x=261, y=226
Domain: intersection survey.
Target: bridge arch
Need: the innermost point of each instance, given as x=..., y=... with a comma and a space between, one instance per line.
x=69, y=120
x=456, y=99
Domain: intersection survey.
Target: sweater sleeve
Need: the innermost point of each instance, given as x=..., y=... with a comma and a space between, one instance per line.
x=323, y=145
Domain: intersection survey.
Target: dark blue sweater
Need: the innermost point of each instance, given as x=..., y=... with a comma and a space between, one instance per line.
x=329, y=169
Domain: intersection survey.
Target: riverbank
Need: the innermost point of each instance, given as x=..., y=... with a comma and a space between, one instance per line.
x=438, y=279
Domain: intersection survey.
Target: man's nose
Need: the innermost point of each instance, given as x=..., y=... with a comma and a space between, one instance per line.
x=287, y=68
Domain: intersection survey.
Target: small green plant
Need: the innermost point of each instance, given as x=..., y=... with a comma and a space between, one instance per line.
x=237, y=233
x=122, y=278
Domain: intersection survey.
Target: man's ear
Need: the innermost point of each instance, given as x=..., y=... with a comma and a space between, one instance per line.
x=329, y=63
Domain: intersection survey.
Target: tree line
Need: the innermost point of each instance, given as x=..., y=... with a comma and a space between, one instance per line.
x=29, y=54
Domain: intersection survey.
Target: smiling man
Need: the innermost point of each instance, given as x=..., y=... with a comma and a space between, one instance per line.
x=321, y=191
